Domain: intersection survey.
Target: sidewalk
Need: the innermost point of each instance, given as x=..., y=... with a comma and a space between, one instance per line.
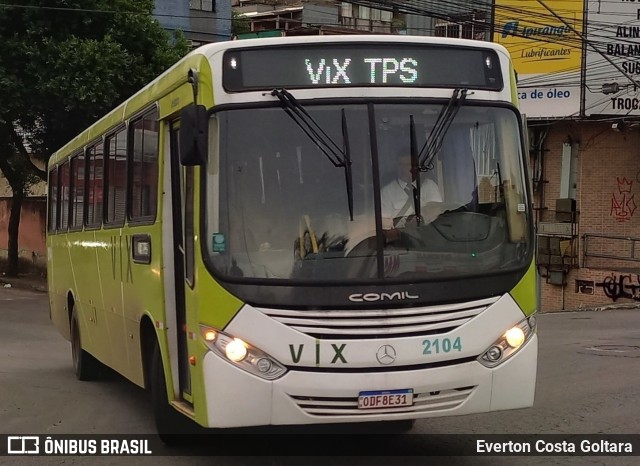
x=29, y=281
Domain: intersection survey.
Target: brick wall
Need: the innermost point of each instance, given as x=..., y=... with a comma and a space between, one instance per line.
x=32, y=228
x=608, y=202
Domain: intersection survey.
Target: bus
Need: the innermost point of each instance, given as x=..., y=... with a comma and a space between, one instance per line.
x=220, y=238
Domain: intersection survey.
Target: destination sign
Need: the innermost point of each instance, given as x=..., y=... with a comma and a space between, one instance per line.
x=362, y=64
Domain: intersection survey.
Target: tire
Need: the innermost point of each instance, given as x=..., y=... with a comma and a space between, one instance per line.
x=383, y=427
x=401, y=427
x=173, y=427
x=85, y=366
x=391, y=427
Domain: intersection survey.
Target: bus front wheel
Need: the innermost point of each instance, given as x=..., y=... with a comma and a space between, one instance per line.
x=172, y=426
x=85, y=366
x=401, y=427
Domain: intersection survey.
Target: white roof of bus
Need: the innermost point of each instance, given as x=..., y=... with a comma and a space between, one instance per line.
x=348, y=38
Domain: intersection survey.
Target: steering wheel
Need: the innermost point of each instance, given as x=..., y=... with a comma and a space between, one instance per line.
x=307, y=242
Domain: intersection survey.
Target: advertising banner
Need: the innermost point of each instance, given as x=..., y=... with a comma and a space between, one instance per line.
x=546, y=50
x=612, y=65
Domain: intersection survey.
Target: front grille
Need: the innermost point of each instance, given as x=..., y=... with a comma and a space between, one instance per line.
x=422, y=403
x=380, y=323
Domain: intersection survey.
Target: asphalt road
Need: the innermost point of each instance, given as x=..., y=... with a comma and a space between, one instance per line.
x=588, y=383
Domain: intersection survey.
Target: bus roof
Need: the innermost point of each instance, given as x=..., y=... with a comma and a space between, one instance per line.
x=202, y=56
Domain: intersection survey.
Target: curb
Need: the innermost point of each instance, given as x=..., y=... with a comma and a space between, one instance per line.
x=603, y=308
x=17, y=283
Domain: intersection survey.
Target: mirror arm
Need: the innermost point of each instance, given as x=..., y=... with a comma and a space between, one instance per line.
x=193, y=79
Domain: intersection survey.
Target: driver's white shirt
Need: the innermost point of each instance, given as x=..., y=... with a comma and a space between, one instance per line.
x=393, y=198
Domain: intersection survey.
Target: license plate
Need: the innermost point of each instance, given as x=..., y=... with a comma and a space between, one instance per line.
x=385, y=399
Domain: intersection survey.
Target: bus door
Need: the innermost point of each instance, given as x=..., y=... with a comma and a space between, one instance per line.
x=183, y=231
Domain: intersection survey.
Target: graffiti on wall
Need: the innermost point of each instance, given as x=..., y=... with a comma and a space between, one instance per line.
x=621, y=286
x=623, y=204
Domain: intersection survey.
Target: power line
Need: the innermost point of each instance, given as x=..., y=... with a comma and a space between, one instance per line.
x=79, y=10
x=124, y=12
x=454, y=11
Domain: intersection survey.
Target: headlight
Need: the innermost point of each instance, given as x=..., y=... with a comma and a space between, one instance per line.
x=514, y=337
x=242, y=354
x=509, y=343
x=236, y=350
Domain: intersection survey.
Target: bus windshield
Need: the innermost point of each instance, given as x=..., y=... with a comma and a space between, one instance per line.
x=278, y=209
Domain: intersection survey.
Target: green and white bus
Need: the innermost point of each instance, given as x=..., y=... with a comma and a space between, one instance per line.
x=219, y=237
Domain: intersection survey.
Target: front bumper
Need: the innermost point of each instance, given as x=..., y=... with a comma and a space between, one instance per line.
x=236, y=398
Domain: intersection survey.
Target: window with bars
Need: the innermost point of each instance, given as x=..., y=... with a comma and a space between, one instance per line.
x=346, y=10
x=202, y=5
x=466, y=26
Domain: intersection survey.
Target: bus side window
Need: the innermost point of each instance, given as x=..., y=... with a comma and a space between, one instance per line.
x=116, y=178
x=77, y=192
x=53, y=200
x=95, y=185
x=144, y=168
x=63, y=223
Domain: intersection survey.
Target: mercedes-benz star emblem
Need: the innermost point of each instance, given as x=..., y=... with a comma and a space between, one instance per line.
x=386, y=354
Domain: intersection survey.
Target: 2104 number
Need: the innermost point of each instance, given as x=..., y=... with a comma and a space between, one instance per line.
x=441, y=345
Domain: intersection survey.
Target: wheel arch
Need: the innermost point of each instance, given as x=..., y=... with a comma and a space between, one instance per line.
x=148, y=339
x=71, y=301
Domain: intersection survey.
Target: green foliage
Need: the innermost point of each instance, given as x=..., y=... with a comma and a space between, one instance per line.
x=63, y=66
x=63, y=63
x=239, y=24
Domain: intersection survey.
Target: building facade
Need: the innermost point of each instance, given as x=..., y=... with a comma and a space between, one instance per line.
x=315, y=17
x=586, y=177
x=580, y=98
x=202, y=21
x=464, y=19
x=469, y=20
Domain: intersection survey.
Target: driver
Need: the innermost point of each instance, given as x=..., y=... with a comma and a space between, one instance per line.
x=397, y=197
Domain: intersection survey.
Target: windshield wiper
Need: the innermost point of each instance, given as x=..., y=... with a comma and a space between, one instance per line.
x=415, y=171
x=347, y=167
x=434, y=142
x=339, y=157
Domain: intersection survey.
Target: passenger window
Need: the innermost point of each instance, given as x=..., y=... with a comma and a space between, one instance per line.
x=144, y=168
x=77, y=191
x=95, y=184
x=116, y=181
x=64, y=196
x=53, y=200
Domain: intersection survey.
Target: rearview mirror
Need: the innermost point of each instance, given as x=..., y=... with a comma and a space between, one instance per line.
x=193, y=135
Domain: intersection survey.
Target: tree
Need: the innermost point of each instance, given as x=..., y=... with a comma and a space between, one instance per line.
x=63, y=64
x=20, y=176
x=240, y=24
